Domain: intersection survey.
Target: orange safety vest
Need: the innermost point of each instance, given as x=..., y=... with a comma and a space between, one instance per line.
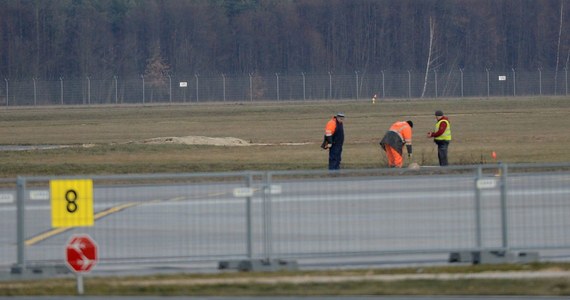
x=404, y=130
x=330, y=128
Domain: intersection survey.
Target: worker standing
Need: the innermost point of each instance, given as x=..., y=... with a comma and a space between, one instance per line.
x=334, y=139
x=441, y=136
x=399, y=134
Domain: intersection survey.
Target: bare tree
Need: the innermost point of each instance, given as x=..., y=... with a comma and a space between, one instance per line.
x=432, y=58
x=156, y=74
x=558, y=49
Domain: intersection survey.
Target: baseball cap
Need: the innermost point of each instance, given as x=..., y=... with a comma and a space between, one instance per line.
x=439, y=113
x=340, y=115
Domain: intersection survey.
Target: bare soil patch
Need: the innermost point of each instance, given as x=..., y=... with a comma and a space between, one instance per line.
x=198, y=140
x=209, y=141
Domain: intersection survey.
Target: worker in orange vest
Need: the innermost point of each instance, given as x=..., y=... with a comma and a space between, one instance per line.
x=334, y=139
x=399, y=134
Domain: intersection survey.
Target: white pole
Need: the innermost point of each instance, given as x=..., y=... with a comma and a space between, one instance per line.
x=80, y=289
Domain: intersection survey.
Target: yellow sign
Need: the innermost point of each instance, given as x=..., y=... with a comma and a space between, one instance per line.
x=71, y=202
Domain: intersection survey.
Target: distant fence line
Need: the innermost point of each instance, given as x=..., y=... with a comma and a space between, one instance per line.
x=276, y=87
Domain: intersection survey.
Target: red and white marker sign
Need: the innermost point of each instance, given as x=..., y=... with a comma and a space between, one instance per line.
x=81, y=253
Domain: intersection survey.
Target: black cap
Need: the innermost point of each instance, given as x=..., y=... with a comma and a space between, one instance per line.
x=410, y=123
x=438, y=113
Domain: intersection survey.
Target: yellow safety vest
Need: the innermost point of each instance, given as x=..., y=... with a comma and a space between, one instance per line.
x=446, y=136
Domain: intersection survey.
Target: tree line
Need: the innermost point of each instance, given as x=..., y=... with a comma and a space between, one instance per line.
x=105, y=38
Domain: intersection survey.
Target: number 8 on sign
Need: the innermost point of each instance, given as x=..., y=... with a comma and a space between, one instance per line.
x=71, y=197
x=71, y=202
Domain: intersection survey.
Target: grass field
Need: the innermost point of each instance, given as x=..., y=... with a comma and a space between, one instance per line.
x=453, y=280
x=104, y=139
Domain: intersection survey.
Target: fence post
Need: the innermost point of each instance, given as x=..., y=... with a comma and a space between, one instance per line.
x=35, y=92
x=61, y=88
x=116, y=89
x=478, y=238
x=250, y=87
x=330, y=85
x=277, y=79
x=224, y=87
x=267, y=212
x=142, y=77
x=20, y=224
x=461, y=70
x=566, y=81
x=169, y=88
x=7, y=94
x=435, y=80
x=504, y=221
x=488, y=83
x=540, y=82
x=383, y=85
x=304, y=91
x=514, y=82
x=197, y=88
x=248, y=221
x=356, y=72
x=409, y=84
x=88, y=90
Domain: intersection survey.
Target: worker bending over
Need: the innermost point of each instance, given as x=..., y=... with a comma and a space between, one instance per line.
x=399, y=134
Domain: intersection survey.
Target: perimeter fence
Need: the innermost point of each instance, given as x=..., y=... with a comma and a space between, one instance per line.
x=172, y=220
x=283, y=87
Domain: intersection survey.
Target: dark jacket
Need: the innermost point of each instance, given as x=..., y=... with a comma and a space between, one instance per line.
x=394, y=140
x=338, y=135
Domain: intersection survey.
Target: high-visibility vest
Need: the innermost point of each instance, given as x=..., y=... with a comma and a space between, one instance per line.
x=404, y=130
x=446, y=136
x=330, y=128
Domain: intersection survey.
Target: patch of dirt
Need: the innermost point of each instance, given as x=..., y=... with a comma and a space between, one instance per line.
x=211, y=141
x=198, y=140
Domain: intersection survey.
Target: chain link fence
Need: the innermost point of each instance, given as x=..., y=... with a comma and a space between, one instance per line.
x=283, y=87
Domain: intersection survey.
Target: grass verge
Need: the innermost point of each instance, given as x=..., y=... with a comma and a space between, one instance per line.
x=451, y=280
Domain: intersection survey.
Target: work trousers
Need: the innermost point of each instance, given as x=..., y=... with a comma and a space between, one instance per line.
x=335, y=154
x=442, y=152
x=394, y=157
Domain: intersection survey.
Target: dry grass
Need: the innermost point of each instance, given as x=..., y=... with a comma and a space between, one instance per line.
x=528, y=279
x=519, y=130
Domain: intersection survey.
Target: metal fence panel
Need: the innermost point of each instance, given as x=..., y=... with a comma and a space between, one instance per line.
x=8, y=225
x=151, y=219
x=539, y=212
x=376, y=213
x=169, y=219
